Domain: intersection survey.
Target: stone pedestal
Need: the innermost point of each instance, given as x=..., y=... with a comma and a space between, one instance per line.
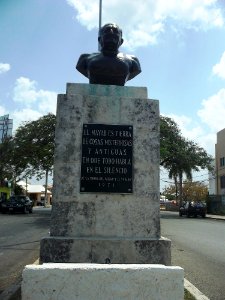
x=98, y=227
x=101, y=282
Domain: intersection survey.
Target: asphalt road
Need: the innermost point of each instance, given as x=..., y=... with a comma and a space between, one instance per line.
x=198, y=246
x=19, y=242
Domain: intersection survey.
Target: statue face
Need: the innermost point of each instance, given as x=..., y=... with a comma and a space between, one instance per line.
x=110, y=37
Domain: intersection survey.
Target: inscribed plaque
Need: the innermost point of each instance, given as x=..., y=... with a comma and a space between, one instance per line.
x=106, y=163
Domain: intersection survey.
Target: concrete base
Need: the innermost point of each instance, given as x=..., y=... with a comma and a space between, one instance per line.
x=102, y=281
x=96, y=250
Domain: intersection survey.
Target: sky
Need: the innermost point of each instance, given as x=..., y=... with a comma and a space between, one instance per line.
x=179, y=43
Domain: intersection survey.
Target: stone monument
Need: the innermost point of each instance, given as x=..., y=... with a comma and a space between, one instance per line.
x=106, y=169
x=105, y=210
x=106, y=178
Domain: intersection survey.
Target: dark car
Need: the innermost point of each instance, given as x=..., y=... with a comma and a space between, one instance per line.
x=193, y=209
x=1, y=201
x=21, y=204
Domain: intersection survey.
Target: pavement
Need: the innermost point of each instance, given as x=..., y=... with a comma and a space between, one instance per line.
x=14, y=291
x=188, y=285
x=217, y=217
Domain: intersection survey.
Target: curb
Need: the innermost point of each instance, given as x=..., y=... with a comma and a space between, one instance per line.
x=194, y=291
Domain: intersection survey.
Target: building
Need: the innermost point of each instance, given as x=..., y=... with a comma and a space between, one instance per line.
x=220, y=164
x=36, y=192
x=4, y=192
x=212, y=180
x=6, y=126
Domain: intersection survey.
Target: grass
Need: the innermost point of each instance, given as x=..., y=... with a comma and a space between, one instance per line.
x=188, y=296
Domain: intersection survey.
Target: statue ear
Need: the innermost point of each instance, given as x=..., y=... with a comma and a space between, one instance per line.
x=100, y=40
x=121, y=41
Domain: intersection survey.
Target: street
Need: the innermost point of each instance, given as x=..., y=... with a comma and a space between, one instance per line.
x=19, y=242
x=198, y=246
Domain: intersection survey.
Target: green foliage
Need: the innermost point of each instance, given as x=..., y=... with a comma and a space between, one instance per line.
x=18, y=190
x=11, y=165
x=188, y=295
x=35, y=143
x=169, y=134
x=179, y=155
x=30, y=152
x=192, y=191
x=5, y=149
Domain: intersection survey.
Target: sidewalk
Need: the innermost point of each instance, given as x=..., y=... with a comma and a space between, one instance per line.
x=216, y=217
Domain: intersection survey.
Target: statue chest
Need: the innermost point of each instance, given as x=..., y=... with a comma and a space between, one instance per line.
x=114, y=66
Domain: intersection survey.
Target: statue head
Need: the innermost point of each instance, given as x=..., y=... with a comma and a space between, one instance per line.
x=109, y=67
x=110, y=37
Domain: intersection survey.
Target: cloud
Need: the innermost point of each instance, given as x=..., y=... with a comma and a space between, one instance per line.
x=34, y=102
x=25, y=114
x=26, y=92
x=143, y=23
x=2, y=111
x=196, y=131
x=4, y=68
x=213, y=111
x=211, y=120
x=189, y=129
x=219, y=69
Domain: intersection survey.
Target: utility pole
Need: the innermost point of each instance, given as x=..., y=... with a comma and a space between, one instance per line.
x=100, y=19
x=100, y=14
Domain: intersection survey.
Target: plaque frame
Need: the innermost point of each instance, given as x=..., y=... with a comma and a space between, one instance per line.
x=107, y=159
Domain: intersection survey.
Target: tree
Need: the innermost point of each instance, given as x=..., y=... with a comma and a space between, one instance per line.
x=11, y=166
x=35, y=143
x=192, y=191
x=179, y=155
x=5, y=149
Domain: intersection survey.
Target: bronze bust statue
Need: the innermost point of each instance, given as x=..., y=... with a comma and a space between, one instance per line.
x=109, y=66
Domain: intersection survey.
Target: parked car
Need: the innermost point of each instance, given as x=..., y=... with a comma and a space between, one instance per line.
x=41, y=202
x=17, y=203
x=194, y=209
x=1, y=201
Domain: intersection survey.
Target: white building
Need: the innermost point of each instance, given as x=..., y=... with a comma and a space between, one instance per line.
x=36, y=192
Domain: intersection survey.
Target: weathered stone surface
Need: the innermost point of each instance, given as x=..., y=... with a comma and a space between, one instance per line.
x=97, y=250
x=99, y=218
x=106, y=217
x=135, y=215
x=105, y=90
x=94, y=281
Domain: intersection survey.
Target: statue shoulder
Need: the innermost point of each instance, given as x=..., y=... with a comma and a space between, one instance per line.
x=135, y=67
x=85, y=57
x=88, y=55
x=82, y=63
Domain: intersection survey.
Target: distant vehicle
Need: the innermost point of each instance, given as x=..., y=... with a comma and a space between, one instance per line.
x=41, y=202
x=193, y=209
x=163, y=200
x=17, y=203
